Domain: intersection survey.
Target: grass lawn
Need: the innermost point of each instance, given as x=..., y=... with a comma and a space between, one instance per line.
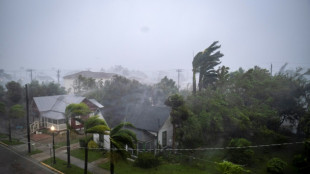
x=3, y=136
x=35, y=151
x=14, y=142
x=62, y=166
x=123, y=167
x=64, y=143
x=92, y=154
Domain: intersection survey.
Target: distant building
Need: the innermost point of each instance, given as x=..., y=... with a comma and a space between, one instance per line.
x=69, y=79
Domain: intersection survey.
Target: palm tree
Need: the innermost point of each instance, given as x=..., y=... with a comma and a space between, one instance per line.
x=204, y=63
x=119, y=138
x=72, y=111
x=92, y=125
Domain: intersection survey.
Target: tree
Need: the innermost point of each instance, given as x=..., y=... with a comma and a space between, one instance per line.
x=14, y=92
x=92, y=125
x=204, y=63
x=72, y=111
x=119, y=138
x=16, y=111
x=179, y=113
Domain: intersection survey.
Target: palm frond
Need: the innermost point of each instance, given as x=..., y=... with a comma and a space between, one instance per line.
x=120, y=126
x=100, y=129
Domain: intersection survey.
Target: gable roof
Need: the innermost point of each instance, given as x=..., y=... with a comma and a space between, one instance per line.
x=93, y=101
x=150, y=118
x=54, y=107
x=90, y=74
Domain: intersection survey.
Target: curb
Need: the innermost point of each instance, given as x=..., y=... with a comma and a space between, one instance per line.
x=51, y=168
x=2, y=143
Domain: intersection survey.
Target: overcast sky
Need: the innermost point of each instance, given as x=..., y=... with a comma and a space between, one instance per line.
x=152, y=34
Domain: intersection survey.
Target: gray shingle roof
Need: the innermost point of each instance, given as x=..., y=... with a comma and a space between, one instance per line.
x=54, y=106
x=142, y=135
x=149, y=118
x=96, y=103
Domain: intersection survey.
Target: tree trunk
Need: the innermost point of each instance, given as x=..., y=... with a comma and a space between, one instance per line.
x=86, y=158
x=111, y=160
x=173, y=136
x=10, y=131
x=194, y=81
x=68, y=148
x=200, y=81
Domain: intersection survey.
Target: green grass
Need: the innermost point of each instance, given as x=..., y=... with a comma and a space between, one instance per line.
x=123, y=167
x=64, y=143
x=14, y=142
x=3, y=136
x=62, y=166
x=35, y=151
x=93, y=155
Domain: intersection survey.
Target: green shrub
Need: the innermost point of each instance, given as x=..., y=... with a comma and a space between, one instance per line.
x=300, y=161
x=276, y=166
x=147, y=160
x=242, y=155
x=227, y=167
x=92, y=145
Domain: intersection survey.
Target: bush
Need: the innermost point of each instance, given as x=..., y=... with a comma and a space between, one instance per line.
x=92, y=145
x=242, y=155
x=227, y=167
x=276, y=166
x=300, y=161
x=147, y=160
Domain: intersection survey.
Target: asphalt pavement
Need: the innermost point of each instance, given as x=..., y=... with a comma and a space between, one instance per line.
x=12, y=162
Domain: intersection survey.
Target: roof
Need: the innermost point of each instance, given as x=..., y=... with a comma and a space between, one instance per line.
x=149, y=118
x=93, y=101
x=142, y=135
x=54, y=107
x=90, y=74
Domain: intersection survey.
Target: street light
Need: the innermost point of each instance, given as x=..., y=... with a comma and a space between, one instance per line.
x=52, y=129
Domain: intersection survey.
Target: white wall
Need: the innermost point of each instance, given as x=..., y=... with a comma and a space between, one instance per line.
x=106, y=143
x=166, y=127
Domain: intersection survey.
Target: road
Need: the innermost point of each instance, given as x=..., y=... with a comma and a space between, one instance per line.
x=14, y=163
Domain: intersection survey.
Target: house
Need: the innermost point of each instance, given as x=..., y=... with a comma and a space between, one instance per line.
x=152, y=125
x=50, y=110
x=98, y=76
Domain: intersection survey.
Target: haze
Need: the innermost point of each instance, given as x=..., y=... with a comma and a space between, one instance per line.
x=152, y=35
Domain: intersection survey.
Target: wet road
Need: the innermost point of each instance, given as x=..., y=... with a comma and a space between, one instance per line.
x=13, y=163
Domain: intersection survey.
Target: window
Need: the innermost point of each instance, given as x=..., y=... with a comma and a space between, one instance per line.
x=76, y=122
x=55, y=121
x=164, y=138
x=62, y=121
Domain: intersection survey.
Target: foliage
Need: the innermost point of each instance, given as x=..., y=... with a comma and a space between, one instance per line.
x=276, y=165
x=242, y=155
x=83, y=84
x=17, y=111
x=14, y=92
x=2, y=109
x=204, y=63
x=147, y=160
x=227, y=167
x=36, y=89
x=92, y=145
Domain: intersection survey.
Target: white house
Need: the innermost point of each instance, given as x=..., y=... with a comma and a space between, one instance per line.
x=50, y=110
x=152, y=125
x=69, y=79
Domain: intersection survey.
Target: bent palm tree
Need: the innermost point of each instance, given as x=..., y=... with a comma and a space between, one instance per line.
x=119, y=138
x=92, y=125
x=72, y=111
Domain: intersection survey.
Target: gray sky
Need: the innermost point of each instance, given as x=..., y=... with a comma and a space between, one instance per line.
x=152, y=34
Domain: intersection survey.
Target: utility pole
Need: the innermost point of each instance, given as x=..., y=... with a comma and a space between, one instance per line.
x=271, y=69
x=30, y=70
x=28, y=128
x=179, y=70
x=58, y=75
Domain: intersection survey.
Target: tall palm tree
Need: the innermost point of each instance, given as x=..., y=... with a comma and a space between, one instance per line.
x=92, y=125
x=204, y=63
x=72, y=111
x=119, y=138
